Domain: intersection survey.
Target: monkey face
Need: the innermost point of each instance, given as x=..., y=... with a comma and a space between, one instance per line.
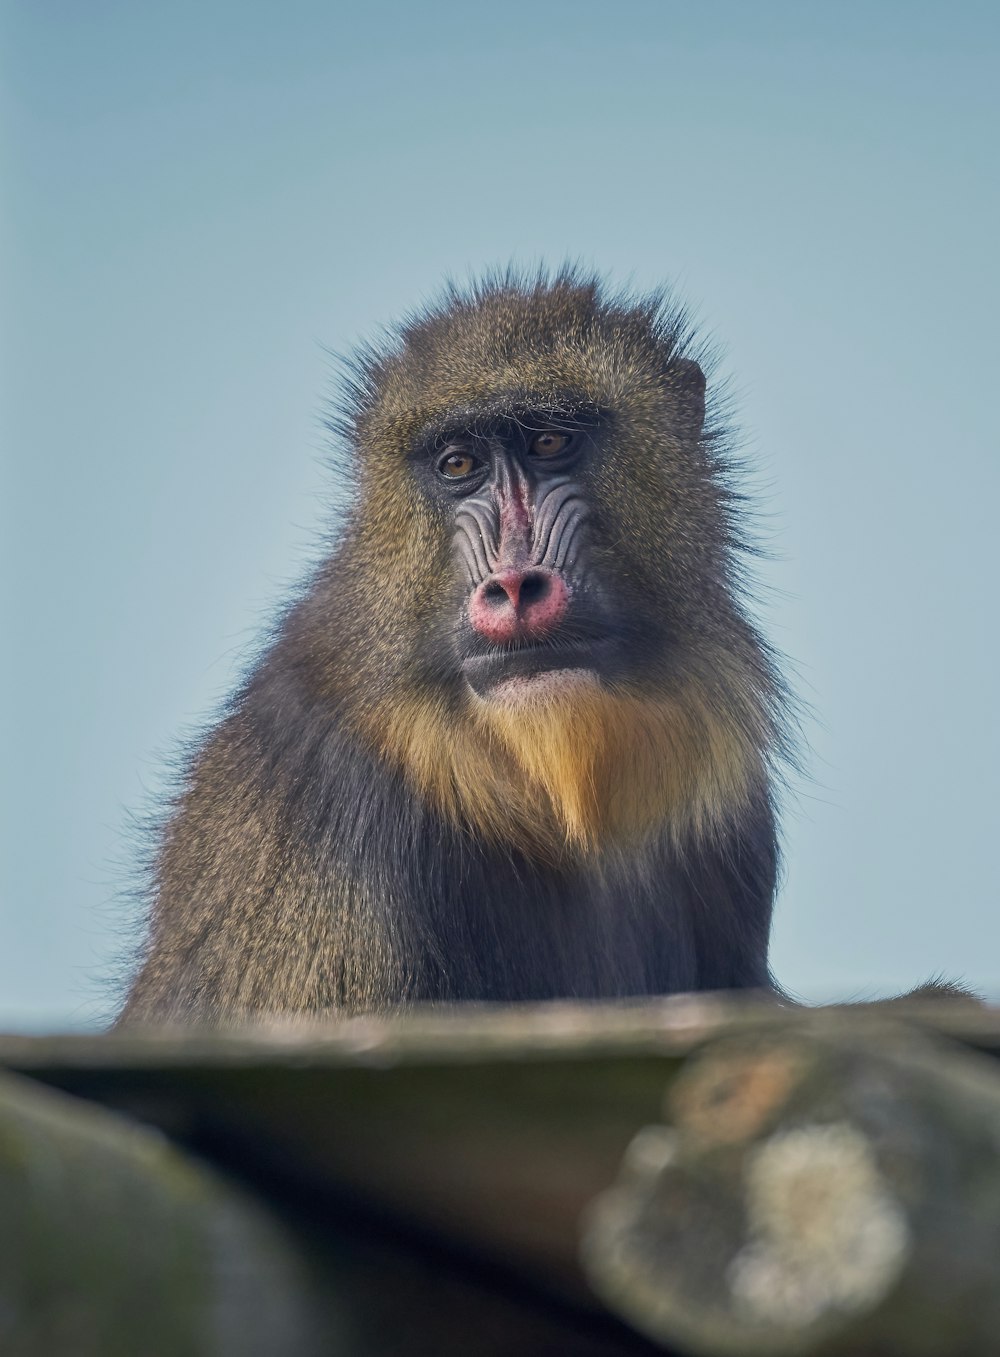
x=531, y=618
x=531, y=461
x=546, y=543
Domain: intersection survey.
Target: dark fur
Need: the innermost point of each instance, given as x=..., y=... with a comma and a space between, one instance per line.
x=301, y=871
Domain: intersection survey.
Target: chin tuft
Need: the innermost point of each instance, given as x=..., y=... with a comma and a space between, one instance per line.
x=552, y=685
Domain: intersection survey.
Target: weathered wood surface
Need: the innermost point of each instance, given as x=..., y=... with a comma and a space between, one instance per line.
x=487, y=1131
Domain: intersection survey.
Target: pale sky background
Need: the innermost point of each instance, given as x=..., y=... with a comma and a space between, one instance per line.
x=201, y=197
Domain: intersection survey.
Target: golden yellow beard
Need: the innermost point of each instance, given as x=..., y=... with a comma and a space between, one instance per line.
x=570, y=767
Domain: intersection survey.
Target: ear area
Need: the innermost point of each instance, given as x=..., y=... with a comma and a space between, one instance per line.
x=688, y=390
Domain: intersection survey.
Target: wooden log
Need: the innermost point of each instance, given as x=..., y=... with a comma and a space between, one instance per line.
x=114, y=1244
x=832, y=1188
x=485, y=1128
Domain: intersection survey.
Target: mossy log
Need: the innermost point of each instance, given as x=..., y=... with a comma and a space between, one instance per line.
x=830, y=1188
x=114, y=1244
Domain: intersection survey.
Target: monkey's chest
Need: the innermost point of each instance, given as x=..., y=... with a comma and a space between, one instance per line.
x=510, y=935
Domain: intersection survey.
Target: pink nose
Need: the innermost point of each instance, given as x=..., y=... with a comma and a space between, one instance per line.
x=516, y=604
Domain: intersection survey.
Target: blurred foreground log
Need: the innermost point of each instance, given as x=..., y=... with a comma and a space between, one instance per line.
x=829, y=1184
x=113, y=1244
x=830, y=1187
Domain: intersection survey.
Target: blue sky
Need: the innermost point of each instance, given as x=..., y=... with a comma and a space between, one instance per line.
x=204, y=198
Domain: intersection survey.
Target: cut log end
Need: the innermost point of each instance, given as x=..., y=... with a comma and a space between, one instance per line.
x=813, y=1195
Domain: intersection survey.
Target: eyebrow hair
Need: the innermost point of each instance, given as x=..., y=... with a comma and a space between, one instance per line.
x=567, y=409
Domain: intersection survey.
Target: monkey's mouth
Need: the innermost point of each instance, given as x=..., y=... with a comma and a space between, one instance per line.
x=522, y=665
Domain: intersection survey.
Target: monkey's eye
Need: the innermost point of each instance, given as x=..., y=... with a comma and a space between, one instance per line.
x=457, y=463
x=549, y=443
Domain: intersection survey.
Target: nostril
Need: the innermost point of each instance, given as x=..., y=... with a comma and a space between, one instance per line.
x=495, y=595
x=534, y=587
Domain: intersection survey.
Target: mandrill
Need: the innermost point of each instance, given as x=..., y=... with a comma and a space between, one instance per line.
x=517, y=739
